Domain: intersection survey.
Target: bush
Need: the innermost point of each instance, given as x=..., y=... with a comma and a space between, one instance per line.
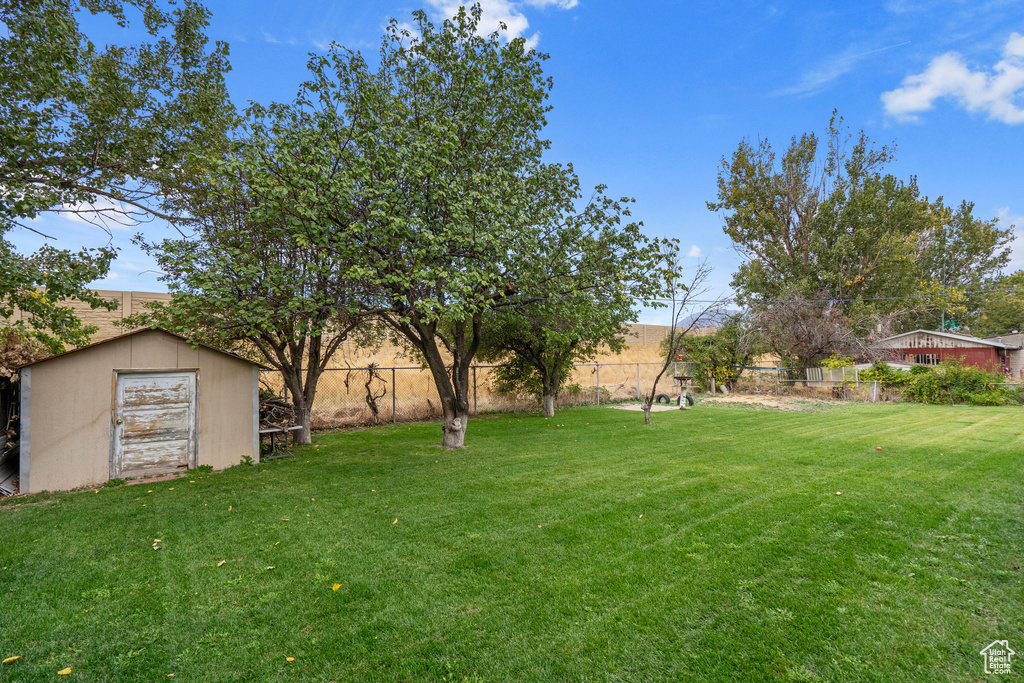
x=954, y=382
x=883, y=373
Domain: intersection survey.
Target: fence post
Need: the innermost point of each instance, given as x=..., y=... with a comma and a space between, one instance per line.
x=394, y=417
x=474, y=391
x=598, y=383
x=638, y=381
x=778, y=374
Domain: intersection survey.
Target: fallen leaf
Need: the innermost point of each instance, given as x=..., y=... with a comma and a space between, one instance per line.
x=12, y=659
x=289, y=659
x=221, y=563
x=64, y=672
x=156, y=540
x=278, y=543
x=396, y=521
x=333, y=588
x=269, y=568
x=284, y=519
x=149, y=491
x=641, y=517
x=171, y=489
x=229, y=508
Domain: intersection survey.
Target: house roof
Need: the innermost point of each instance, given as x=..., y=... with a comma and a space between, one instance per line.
x=951, y=335
x=134, y=332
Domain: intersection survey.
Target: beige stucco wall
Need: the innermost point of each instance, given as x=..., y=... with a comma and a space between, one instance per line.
x=70, y=398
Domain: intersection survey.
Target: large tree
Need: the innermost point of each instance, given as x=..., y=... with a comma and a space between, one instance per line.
x=825, y=220
x=426, y=176
x=102, y=132
x=257, y=287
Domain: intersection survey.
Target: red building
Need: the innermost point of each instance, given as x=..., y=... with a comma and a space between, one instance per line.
x=931, y=348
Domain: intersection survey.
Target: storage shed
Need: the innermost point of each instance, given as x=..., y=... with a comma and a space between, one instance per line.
x=146, y=403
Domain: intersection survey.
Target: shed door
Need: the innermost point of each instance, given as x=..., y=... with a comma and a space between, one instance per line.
x=154, y=423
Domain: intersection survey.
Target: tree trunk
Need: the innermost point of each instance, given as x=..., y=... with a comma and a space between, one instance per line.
x=304, y=435
x=454, y=427
x=549, y=404
x=647, y=413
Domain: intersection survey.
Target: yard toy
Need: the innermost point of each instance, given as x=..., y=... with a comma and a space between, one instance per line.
x=878, y=448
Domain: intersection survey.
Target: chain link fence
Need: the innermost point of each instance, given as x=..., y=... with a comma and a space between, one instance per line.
x=347, y=397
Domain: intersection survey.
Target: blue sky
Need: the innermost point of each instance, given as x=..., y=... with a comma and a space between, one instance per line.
x=649, y=96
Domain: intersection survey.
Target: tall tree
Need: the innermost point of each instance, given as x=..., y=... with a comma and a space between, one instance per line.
x=426, y=176
x=825, y=220
x=101, y=132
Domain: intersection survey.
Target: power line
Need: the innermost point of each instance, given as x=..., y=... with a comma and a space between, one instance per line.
x=824, y=301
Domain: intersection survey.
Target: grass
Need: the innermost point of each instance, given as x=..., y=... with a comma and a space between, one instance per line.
x=711, y=546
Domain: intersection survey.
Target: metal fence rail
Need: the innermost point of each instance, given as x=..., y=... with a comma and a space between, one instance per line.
x=348, y=397
x=374, y=395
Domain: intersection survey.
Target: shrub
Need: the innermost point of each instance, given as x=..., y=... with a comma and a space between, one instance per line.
x=883, y=373
x=954, y=382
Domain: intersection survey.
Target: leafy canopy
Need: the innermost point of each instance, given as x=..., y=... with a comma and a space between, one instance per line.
x=100, y=132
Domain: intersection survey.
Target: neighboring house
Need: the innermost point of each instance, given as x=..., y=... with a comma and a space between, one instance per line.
x=929, y=347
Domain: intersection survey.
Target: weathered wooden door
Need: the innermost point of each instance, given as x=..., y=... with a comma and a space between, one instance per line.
x=154, y=423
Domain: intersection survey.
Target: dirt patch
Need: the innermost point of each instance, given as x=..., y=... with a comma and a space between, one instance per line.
x=787, y=403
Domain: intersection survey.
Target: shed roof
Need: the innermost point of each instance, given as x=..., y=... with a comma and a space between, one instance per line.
x=951, y=335
x=134, y=332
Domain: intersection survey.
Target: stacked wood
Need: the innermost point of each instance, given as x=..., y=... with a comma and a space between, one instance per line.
x=275, y=411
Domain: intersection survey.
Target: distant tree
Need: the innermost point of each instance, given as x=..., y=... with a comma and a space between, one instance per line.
x=805, y=331
x=101, y=133
x=825, y=221
x=719, y=355
x=539, y=342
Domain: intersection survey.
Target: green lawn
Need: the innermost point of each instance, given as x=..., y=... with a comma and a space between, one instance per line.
x=710, y=546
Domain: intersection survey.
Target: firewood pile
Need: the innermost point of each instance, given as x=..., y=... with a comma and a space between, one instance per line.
x=275, y=411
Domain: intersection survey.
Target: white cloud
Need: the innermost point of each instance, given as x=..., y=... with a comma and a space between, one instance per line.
x=694, y=252
x=560, y=4
x=269, y=38
x=508, y=12
x=817, y=77
x=104, y=212
x=996, y=92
